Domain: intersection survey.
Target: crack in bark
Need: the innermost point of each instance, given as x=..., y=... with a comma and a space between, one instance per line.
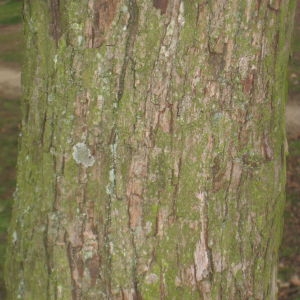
x=48, y=258
x=55, y=25
x=132, y=32
x=76, y=269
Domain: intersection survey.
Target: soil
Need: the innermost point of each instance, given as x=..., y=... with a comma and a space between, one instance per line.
x=293, y=117
x=10, y=75
x=10, y=83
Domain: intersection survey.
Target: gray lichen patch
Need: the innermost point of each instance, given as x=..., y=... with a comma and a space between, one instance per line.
x=82, y=155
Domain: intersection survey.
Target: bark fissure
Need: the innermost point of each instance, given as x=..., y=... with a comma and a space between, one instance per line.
x=55, y=26
x=128, y=55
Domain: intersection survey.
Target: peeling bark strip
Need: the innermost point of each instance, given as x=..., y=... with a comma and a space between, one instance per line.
x=104, y=13
x=55, y=26
x=161, y=4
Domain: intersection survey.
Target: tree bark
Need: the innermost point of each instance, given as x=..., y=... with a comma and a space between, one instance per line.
x=152, y=154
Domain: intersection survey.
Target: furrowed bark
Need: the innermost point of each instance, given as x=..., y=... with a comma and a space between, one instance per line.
x=152, y=157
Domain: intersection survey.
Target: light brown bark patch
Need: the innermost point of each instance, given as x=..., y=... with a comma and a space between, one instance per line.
x=104, y=12
x=248, y=83
x=274, y=4
x=161, y=4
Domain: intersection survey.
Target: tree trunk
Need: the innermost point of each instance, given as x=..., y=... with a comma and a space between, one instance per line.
x=152, y=154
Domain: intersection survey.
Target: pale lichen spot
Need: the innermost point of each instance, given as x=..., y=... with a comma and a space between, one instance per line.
x=55, y=59
x=151, y=278
x=112, y=176
x=87, y=254
x=14, y=237
x=201, y=260
x=148, y=227
x=111, y=247
x=82, y=155
x=21, y=289
x=80, y=40
x=108, y=190
x=124, y=9
x=181, y=19
x=59, y=291
x=236, y=268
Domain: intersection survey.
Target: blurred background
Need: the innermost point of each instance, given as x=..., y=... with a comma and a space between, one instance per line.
x=11, y=45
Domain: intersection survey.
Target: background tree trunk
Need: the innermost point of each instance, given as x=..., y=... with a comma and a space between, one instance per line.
x=152, y=157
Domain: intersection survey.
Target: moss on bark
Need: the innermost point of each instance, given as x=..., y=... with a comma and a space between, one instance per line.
x=178, y=191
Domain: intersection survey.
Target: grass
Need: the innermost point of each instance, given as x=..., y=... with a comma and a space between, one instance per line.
x=10, y=12
x=9, y=120
x=11, y=38
x=11, y=42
